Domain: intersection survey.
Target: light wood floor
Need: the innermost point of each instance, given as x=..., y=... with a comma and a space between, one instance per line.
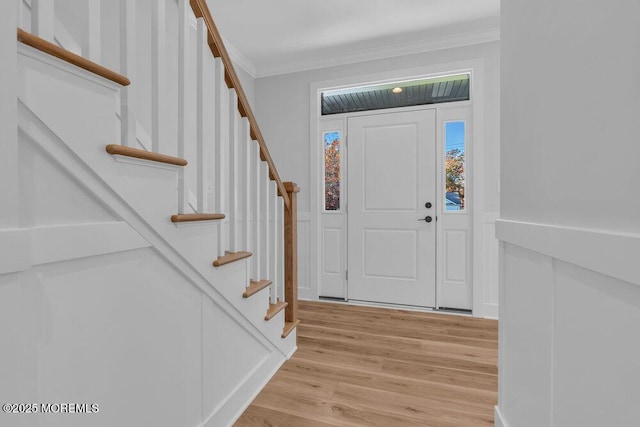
x=361, y=366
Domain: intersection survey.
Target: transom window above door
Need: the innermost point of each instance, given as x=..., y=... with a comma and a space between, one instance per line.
x=434, y=90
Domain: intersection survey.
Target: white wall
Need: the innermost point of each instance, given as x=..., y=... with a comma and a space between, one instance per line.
x=282, y=104
x=248, y=84
x=569, y=293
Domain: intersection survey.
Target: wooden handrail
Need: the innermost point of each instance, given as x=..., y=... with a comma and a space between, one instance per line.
x=70, y=57
x=201, y=10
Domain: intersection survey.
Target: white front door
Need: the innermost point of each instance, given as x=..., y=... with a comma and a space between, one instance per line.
x=392, y=178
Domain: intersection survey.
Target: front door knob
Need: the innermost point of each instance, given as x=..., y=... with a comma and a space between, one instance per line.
x=426, y=218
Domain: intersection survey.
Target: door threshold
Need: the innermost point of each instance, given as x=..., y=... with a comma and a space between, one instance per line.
x=443, y=310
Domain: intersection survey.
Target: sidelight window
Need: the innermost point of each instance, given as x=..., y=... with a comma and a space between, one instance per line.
x=332, y=181
x=455, y=166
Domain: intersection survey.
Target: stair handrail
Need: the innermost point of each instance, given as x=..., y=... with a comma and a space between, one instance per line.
x=218, y=49
x=288, y=191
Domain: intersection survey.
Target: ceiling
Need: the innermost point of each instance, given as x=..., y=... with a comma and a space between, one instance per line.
x=281, y=36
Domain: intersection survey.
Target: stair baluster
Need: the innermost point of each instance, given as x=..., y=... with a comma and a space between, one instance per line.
x=43, y=19
x=21, y=15
x=234, y=177
x=280, y=243
x=255, y=194
x=183, y=59
x=246, y=200
x=91, y=49
x=158, y=75
x=221, y=147
x=128, y=68
x=264, y=223
x=273, y=242
x=203, y=76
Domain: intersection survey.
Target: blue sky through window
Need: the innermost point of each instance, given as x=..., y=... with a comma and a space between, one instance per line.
x=329, y=137
x=454, y=132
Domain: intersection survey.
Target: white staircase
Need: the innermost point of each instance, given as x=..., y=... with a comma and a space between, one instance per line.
x=153, y=272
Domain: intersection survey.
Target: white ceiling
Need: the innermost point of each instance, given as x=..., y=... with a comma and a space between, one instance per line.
x=280, y=36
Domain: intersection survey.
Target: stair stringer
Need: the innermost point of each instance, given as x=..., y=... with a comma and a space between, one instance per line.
x=76, y=140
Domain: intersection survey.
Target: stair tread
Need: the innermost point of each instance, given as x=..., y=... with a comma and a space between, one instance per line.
x=288, y=327
x=196, y=217
x=230, y=257
x=144, y=155
x=275, y=309
x=255, y=287
x=54, y=50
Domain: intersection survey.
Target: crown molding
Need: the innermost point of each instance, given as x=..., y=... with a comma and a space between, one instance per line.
x=390, y=51
x=238, y=58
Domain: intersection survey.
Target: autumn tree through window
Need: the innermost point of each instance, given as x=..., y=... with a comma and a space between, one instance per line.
x=332, y=171
x=454, y=166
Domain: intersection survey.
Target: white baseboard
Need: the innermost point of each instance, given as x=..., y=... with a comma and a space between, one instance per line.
x=229, y=412
x=490, y=311
x=499, y=419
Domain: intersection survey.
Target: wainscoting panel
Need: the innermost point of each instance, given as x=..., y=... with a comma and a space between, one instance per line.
x=568, y=326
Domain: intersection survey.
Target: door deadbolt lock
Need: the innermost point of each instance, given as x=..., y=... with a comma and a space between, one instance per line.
x=426, y=218
x=428, y=205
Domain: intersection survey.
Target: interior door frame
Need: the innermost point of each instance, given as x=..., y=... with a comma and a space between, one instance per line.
x=476, y=104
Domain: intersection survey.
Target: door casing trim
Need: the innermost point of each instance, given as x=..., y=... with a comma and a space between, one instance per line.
x=477, y=103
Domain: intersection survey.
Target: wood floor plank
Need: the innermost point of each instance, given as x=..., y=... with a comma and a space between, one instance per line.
x=461, y=351
x=367, y=366
x=257, y=416
x=401, y=351
x=439, y=374
x=427, y=333
x=411, y=407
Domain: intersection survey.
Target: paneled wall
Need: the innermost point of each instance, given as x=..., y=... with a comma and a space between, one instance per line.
x=570, y=218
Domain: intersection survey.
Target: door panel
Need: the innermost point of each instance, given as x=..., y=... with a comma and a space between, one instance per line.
x=384, y=189
x=391, y=254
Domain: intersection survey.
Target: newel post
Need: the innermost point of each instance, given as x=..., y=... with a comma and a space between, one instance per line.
x=291, y=254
